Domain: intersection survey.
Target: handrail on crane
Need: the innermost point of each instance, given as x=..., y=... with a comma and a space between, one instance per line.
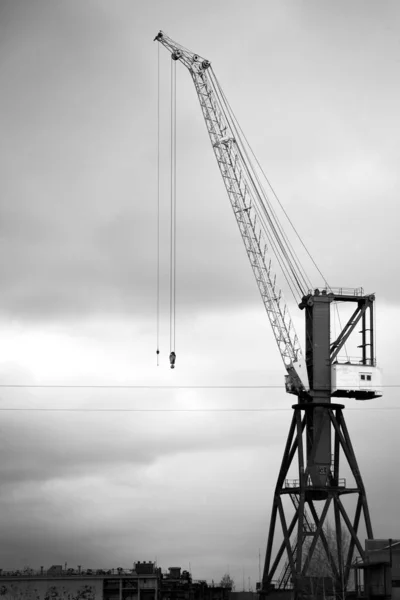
x=338, y=291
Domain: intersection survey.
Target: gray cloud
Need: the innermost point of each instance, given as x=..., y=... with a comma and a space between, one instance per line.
x=42, y=446
x=78, y=208
x=315, y=94
x=66, y=475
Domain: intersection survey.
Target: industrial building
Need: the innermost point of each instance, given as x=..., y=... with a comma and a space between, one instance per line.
x=145, y=581
x=378, y=576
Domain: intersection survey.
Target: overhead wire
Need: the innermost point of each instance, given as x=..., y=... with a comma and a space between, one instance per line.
x=151, y=387
x=142, y=410
x=136, y=386
x=173, y=410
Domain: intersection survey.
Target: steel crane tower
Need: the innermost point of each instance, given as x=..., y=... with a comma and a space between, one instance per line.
x=318, y=439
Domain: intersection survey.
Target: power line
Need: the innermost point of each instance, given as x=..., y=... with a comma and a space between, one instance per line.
x=140, y=387
x=148, y=410
x=173, y=410
x=155, y=387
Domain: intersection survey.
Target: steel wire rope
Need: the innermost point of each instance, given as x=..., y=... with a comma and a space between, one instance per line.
x=284, y=235
x=252, y=187
x=292, y=226
x=269, y=237
x=301, y=273
x=255, y=193
x=269, y=232
x=276, y=228
x=340, y=325
x=272, y=238
x=288, y=253
x=175, y=132
x=277, y=199
x=172, y=283
x=277, y=233
x=262, y=193
x=189, y=54
x=223, y=123
x=158, y=206
x=177, y=45
x=216, y=125
x=280, y=257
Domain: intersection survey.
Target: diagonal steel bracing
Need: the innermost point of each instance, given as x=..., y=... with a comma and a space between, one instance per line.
x=304, y=520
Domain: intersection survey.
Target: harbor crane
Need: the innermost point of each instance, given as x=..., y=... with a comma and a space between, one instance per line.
x=318, y=438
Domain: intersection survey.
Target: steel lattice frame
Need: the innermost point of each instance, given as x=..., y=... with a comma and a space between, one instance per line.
x=315, y=418
x=242, y=195
x=305, y=495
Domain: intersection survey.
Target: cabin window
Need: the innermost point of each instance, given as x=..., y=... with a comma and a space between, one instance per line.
x=365, y=377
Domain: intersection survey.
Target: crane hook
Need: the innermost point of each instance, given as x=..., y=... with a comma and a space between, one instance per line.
x=172, y=358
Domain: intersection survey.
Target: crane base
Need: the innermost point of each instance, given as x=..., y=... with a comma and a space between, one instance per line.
x=307, y=533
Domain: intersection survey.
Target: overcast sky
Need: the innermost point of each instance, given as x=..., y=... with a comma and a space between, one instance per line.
x=315, y=87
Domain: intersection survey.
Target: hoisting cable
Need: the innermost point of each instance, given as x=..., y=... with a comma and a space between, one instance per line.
x=158, y=206
x=172, y=282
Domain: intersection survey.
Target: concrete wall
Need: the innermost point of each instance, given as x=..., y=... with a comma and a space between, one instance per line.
x=379, y=551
